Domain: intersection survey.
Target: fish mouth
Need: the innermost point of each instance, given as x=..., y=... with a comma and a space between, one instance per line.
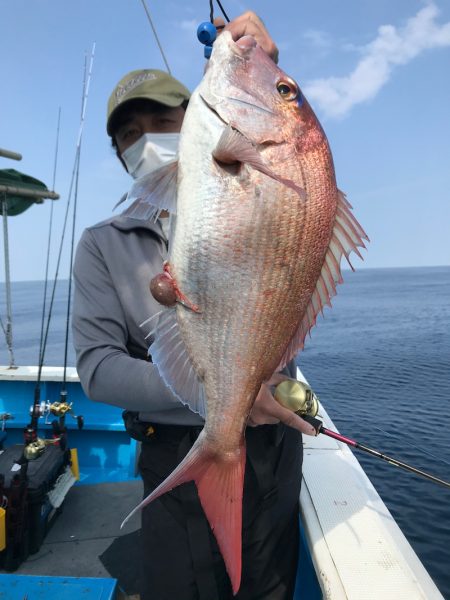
x=243, y=46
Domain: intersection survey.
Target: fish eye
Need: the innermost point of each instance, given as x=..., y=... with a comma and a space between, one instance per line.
x=287, y=90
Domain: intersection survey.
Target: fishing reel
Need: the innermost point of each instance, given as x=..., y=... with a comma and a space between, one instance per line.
x=35, y=449
x=298, y=397
x=60, y=410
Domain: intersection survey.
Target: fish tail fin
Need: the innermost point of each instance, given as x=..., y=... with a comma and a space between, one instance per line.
x=220, y=483
x=220, y=489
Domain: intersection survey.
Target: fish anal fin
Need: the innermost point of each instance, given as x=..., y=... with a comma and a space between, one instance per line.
x=347, y=236
x=154, y=193
x=220, y=483
x=233, y=147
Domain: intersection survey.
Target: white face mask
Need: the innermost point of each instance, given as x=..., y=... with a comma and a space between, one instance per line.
x=150, y=152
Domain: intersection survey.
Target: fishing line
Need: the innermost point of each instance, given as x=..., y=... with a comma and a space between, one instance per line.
x=69, y=294
x=156, y=36
x=50, y=228
x=211, y=11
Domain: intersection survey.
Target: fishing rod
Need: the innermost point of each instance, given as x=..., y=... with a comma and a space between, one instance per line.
x=150, y=20
x=37, y=410
x=300, y=398
x=366, y=422
x=50, y=229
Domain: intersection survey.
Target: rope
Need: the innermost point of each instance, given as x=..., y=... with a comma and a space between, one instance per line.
x=156, y=36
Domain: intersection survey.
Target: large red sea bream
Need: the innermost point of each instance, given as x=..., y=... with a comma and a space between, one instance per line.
x=260, y=231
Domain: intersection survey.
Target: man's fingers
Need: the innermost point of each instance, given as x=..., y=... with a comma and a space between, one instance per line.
x=219, y=24
x=266, y=410
x=250, y=24
x=291, y=419
x=278, y=378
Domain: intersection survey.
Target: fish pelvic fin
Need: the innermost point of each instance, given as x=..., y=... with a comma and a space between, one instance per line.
x=347, y=237
x=220, y=482
x=172, y=359
x=233, y=148
x=154, y=193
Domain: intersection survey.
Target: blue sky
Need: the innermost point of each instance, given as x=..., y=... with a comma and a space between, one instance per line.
x=376, y=73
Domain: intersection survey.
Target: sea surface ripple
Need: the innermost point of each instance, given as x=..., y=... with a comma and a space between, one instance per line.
x=380, y=362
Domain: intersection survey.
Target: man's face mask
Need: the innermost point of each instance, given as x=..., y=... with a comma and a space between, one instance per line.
x=150, y=152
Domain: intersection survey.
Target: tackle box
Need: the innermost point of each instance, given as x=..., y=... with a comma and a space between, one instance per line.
x=24, y=492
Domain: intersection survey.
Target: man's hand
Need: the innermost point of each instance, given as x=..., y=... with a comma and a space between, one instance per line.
x=267, y=411
x=249, y=24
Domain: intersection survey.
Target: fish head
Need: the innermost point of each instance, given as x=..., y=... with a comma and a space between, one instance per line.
x=250, y=93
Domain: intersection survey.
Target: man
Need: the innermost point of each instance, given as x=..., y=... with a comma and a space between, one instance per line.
x=115, y=261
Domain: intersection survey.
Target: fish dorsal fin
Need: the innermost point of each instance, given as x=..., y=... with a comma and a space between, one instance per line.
x=347, y=236
x=153, y=193
x=174, y=364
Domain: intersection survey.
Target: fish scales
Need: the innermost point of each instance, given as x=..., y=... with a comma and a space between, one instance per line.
x=245, y=337
x=260, y=231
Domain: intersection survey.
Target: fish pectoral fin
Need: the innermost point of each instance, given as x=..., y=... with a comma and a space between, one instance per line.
x=154, y=193
x=347, y=236
x=234, y=148
x=170, y=355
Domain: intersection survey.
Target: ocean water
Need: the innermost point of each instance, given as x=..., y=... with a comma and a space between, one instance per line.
x=379, y=361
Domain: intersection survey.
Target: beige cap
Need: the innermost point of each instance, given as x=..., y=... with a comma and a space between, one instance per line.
x=146, y=83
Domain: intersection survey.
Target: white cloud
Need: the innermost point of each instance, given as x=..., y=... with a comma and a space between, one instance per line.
x=189, y=25
x=319, y=39
x=336, y=96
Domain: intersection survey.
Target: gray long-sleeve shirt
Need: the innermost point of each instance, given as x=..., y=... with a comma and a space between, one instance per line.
x=115, y=261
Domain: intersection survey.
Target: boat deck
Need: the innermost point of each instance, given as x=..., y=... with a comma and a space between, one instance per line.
x=352, y=547
x=85, y=539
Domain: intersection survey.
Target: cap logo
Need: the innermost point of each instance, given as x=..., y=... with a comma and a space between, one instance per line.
x=130, y=85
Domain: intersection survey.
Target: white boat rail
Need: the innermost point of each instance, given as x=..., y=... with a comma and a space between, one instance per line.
x=358, y=550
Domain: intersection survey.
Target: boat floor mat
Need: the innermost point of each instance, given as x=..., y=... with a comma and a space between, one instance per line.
x=85, y=533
